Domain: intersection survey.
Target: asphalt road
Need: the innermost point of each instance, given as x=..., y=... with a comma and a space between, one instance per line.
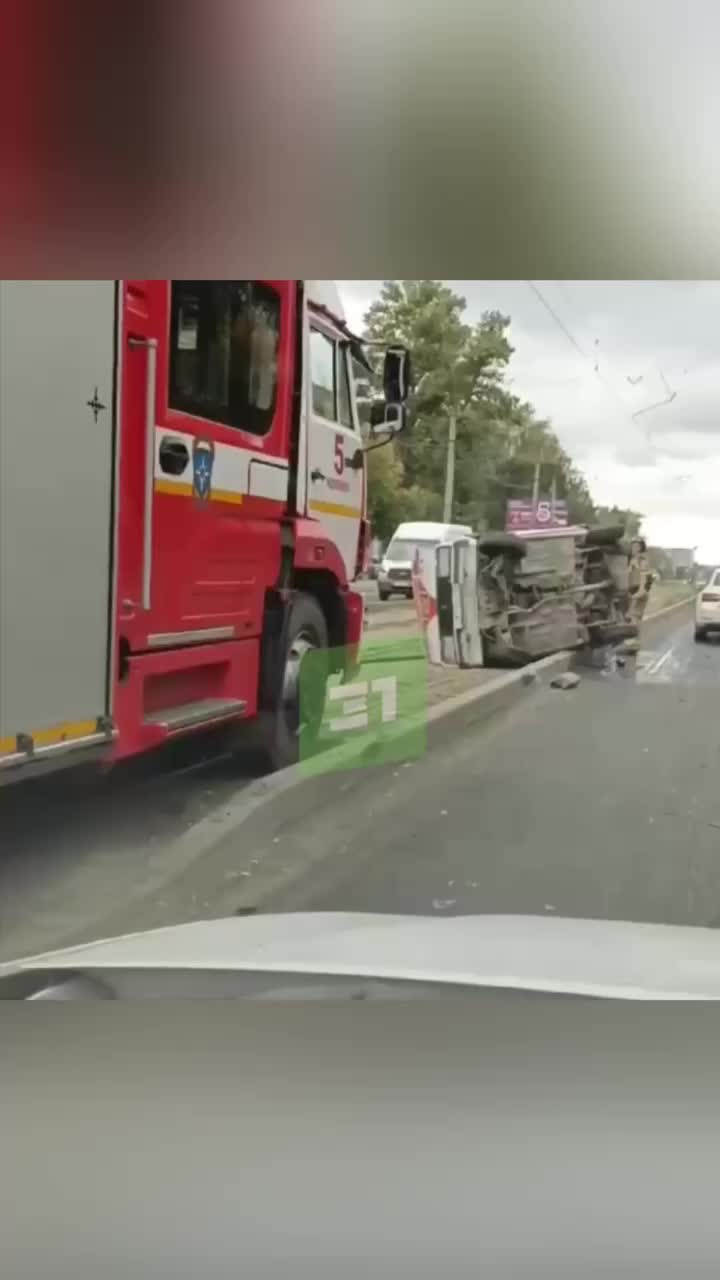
x=74, y=845
x=395, y=612
x=599, y=801
x=602, y=801
x=76, y=848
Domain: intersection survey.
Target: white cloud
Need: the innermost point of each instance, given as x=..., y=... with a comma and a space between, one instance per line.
x=667, y=462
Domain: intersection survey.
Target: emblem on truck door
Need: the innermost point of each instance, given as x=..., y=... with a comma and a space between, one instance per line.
x=203, y=459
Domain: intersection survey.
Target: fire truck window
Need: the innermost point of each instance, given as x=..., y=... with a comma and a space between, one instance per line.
x=322, y=372
x=223, y=354
x=344, y=403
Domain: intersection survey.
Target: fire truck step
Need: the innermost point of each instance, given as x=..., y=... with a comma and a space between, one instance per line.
x=173, y=719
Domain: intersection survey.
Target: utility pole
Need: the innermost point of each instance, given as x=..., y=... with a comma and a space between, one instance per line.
x=536, y=482
x=450, y=469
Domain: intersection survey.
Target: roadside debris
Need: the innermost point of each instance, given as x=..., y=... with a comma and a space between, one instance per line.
x=442, y=904
x=567, y=680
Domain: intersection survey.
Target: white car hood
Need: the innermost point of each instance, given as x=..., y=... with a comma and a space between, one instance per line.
x=534, y=953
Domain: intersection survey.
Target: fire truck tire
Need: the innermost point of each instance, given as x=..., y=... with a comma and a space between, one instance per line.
x=306, y=633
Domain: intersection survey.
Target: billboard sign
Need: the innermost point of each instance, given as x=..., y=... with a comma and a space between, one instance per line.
x=523, y=514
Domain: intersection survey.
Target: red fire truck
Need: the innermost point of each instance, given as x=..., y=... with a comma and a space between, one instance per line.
x=182, y=509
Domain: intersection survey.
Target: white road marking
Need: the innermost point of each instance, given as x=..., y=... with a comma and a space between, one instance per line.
x=660, y=662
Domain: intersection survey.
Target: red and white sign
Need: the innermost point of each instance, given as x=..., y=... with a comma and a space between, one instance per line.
x=523, y=513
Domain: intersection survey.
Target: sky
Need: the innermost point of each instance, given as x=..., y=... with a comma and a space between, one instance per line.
x=649, y=339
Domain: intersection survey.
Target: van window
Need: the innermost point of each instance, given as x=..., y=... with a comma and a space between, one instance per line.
x=402, y=549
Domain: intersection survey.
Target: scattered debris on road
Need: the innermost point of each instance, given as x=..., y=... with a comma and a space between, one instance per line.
x=567, y=680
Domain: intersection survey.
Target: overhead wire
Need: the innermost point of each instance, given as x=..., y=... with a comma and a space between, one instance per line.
x=586, y=356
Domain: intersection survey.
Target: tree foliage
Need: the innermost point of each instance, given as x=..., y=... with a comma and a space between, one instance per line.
x=459, y=369
x=620, y=515
x=391, y=500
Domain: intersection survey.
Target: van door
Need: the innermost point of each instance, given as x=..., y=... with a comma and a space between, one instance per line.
x=335, y=465
x=208, y=390
x=57, y=417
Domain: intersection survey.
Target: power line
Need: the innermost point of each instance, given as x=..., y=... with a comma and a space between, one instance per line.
x=541, y=298
x=571, y=338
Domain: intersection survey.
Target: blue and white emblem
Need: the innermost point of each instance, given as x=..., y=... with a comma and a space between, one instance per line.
x=203, y=459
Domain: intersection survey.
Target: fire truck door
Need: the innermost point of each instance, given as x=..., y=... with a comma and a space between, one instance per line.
x=206, y=413
x=57, y=417
x=335, y=469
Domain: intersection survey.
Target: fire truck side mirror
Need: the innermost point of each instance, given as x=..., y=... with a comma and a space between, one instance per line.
x=397, y=375
x=387, y=419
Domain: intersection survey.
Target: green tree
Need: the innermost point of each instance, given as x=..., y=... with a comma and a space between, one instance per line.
x=456, y=366
x=459, y=368
x=390, y=500
x=620, y=515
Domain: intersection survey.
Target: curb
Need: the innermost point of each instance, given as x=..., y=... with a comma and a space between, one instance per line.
x=288, y=787
x=254, y=851
x=275, y=831
x=294, y=792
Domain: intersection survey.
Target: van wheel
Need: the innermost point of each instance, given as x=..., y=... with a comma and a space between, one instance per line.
x=306, y=634
x=699, y=635
x=384, y=595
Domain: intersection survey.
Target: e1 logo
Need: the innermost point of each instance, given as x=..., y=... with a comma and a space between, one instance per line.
x=354, y=698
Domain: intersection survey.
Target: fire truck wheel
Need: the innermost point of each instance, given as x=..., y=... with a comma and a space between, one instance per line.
x=306, y=633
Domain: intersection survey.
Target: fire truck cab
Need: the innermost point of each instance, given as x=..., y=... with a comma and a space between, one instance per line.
x=182, y=509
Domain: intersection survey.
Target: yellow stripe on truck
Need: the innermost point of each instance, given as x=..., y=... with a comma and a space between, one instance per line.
x=8, y=746
x=181, y=489
x=177, y=488
x=335, y=509
x=64, y=732
x=226, y=495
